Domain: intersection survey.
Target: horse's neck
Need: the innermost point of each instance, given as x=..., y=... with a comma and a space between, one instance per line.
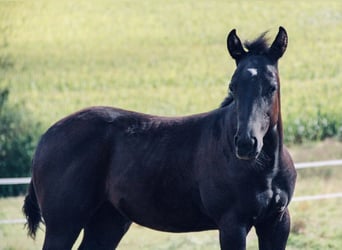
x=280, y=131
x=273, y=141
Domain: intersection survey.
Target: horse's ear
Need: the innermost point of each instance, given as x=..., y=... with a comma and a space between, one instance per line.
x=234, y=46
x=279, y=45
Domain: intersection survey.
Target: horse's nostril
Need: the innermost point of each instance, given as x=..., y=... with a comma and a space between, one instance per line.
x=249, y=142
x=236, y=138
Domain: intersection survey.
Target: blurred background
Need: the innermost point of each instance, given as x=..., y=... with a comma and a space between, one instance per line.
x=169, y=58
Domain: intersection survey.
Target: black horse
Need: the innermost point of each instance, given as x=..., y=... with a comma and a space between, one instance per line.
x=103, y=168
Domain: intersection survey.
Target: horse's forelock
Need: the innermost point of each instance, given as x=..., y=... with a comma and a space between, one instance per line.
x=259, y=45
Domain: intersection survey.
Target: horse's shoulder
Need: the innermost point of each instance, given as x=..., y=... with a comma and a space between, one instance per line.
x=286, y=161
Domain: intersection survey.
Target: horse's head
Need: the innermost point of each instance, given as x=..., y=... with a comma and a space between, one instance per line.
x=255, y=90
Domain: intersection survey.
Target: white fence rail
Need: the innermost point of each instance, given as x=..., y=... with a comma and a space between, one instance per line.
x=13, y=221
x=317, y=197
x=15, y=181
x=303, y=165
x=318, y=164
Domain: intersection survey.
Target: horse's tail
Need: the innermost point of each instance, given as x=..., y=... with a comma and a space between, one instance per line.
x=32, y=212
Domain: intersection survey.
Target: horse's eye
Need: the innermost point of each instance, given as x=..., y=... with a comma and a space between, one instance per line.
x=271, y=89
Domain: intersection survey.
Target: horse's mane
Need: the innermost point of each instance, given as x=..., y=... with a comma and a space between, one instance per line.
x=228, y=100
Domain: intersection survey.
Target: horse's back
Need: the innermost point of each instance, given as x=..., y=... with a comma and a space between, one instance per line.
x=74, y=135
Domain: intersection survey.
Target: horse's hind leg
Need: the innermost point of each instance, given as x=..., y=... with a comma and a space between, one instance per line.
x=64, y=220
x=60, y=238
x=105, y=229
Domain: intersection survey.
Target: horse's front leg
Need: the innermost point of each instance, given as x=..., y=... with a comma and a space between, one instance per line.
x=273, y=232
x=232, y=233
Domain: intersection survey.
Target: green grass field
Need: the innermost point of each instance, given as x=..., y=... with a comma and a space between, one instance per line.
x=170, y=58
x=166, y=58
x=316, y=225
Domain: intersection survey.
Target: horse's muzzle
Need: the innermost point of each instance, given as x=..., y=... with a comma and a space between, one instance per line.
x=246, y=148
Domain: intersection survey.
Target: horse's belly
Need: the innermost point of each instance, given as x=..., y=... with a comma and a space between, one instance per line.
x=173, y=220
x=178, y=215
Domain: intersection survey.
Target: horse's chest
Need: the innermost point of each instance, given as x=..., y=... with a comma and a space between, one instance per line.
x=257, y=199
x=263, y=199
